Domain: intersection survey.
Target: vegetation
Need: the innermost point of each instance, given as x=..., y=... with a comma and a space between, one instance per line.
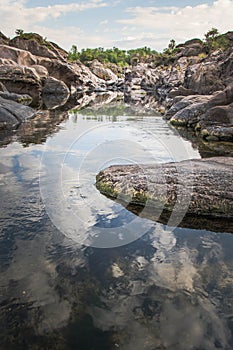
x=214, y=40
x=34, y=36
x=113, y=55
x=124, y=58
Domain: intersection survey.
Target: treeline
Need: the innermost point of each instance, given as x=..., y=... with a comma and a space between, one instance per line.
x=212, y=40
x=113, y=55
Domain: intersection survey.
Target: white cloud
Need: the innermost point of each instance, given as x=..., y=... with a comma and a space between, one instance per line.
x=105, y=22
x=145, y=26
x=180, y=23
x=15, y=13
x=68, y=36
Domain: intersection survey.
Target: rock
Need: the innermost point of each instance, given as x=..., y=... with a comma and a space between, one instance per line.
x=204, y=78
x=55, y=93
x=20, y=57
x=13, y=113
x=102, y=72
x=3, y=39
x=23, y=99
x=197, y=185
x=192, y=109
x=217, y=123
x=75, y=74
x=38, y=46
x=2, y=87
x=190, y=48
x=188, y=101
x=41, y=71
x=21, y=80
x=180, y=91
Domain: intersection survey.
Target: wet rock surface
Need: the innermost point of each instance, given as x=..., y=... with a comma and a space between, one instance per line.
x=197, y=187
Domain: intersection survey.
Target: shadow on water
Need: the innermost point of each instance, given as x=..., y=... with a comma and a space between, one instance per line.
x=170, y=289
x=197, y=222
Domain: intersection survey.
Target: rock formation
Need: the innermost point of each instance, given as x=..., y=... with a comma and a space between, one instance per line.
x=192, y=88
x=192, y=187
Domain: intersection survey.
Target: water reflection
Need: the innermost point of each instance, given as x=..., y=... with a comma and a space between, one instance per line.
x=166, y=290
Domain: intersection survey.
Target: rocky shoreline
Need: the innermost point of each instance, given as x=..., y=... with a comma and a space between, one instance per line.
x=195, y=90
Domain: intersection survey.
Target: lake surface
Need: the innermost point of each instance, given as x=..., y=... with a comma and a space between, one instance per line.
x=80, y=272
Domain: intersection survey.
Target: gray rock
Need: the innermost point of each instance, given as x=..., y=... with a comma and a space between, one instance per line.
x=23, y=99
x=13, y=113
x=55, y=93
x=203, y=186
x=21, y=80
x=192, y=109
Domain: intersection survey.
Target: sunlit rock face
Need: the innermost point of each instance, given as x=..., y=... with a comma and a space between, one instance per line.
x=194, y=187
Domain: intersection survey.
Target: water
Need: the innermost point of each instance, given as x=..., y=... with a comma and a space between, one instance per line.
x=79, y=271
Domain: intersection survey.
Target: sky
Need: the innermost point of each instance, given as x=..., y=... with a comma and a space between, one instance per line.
x=124, y=24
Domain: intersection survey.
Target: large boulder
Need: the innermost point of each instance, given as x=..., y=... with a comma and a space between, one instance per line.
x=13, y=113
x=72, y=74
x=38, y=46
x=21, y=80
x=192, y=47
x=217, y=123
x=55, y=93
x=102, y=72
x=192, y=109
x=20, y=57
x=201, y=187
x=204, y=78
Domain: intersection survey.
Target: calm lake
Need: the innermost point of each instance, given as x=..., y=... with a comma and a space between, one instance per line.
x=78, y=271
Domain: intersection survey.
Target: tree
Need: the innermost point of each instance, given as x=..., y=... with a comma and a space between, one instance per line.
x=211, y=34
x=19, y=32
x=73, y=53
x=210, y=39
x=172, y=45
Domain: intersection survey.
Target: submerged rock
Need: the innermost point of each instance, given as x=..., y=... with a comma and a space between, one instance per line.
x=199, y=187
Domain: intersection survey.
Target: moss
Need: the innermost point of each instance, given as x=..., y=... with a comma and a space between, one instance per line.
x=177, y=122
x=106, y=189
x=202, y=55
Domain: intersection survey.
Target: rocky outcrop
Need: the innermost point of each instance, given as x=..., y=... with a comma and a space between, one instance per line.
x=38, y=46
x=21, y=80
x=193, y=47
x=13, y=113
x=200, y=187
x=32, y=66
x=102, y=72
x=211, y=114
x=3, y=39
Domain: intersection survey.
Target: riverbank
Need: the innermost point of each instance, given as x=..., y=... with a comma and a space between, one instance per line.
x=190, y=88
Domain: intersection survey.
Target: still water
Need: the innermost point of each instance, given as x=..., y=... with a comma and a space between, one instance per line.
x=80, y=272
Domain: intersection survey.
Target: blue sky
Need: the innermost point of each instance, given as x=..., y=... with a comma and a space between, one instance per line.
x=124, y=24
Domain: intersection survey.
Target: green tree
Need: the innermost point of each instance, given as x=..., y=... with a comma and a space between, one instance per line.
x=211, y=34
x=211, y=42
x=172, y=45
x=19, y=32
